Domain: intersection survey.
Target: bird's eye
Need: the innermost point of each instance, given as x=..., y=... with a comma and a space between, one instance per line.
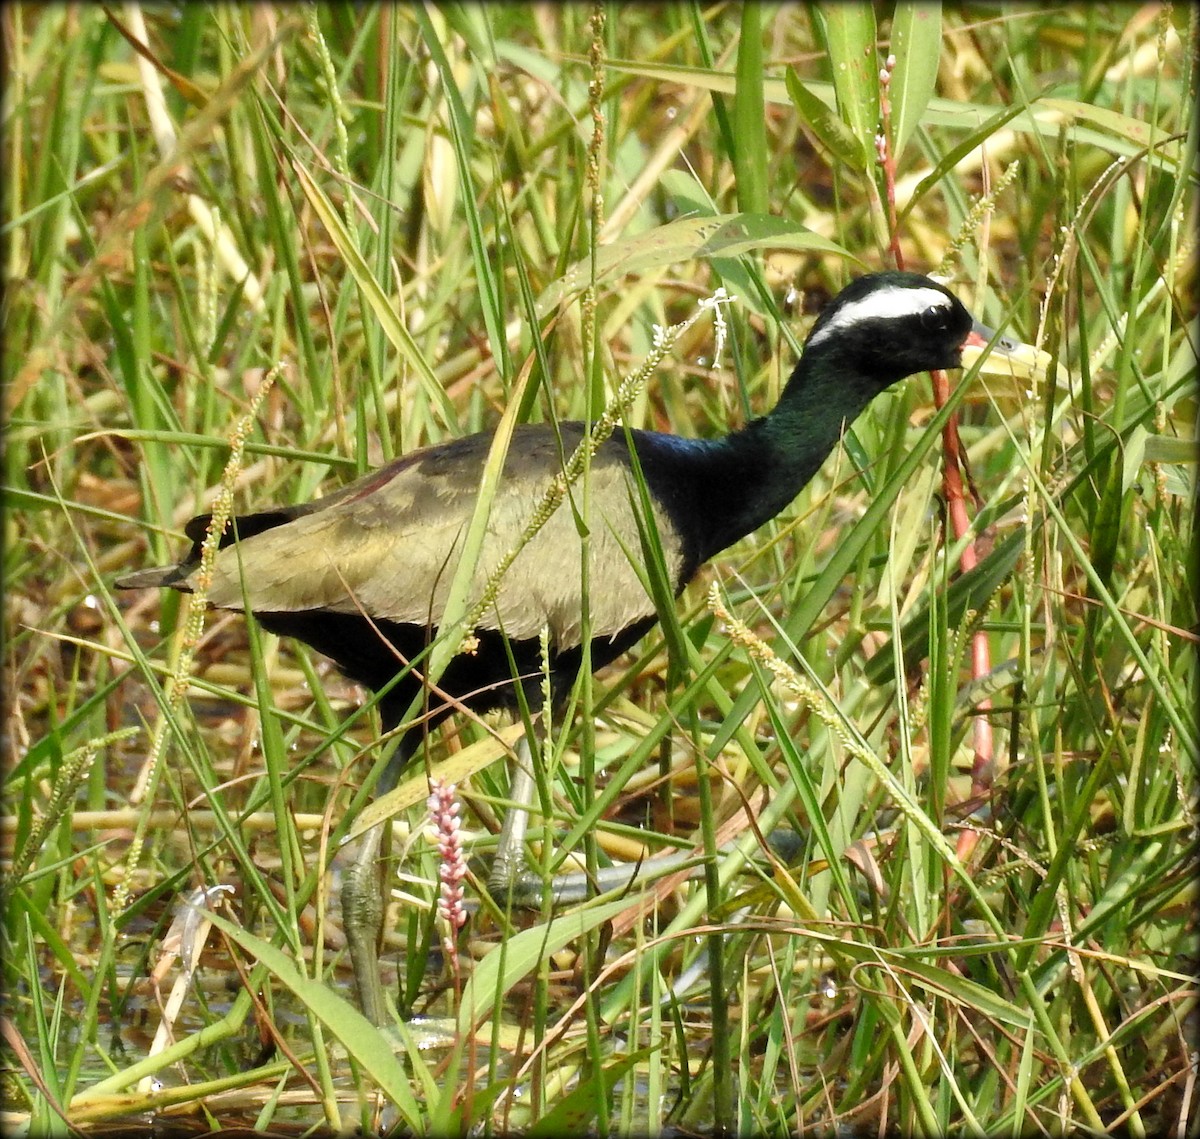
x=935, y=318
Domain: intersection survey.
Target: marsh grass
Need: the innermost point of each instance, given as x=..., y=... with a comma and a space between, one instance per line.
x=391, y=205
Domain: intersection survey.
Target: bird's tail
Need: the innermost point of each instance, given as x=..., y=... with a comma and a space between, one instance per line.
x=158, y=577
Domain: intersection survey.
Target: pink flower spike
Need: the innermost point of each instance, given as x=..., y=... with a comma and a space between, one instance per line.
x=445, y=830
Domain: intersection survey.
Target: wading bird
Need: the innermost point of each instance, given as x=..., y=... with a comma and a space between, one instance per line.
x=362, y=575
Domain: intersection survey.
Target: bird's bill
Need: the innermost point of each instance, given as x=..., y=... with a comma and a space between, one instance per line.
x=1002, y=355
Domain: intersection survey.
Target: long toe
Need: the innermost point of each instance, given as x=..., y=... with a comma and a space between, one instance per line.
x=362, y=915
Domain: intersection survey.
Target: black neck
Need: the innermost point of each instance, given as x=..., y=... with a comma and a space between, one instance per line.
x=754, y=473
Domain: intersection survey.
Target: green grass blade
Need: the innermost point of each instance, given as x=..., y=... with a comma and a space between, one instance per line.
x=749, y=117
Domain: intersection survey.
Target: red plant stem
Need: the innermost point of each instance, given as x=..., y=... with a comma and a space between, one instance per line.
x=960, y=524
x=952, y=469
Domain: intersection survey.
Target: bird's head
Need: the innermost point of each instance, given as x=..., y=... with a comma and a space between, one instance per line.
x=886, y=326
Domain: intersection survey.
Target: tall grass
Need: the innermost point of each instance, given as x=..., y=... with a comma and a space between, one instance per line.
x=392, y=206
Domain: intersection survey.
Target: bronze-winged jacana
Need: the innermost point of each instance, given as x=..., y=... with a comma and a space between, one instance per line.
x=362, y=575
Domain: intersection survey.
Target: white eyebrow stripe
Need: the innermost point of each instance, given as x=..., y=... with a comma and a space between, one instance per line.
x=882, y=304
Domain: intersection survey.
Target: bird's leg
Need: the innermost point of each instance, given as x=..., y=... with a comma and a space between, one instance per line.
x=364, y=896
x=577, y=885
x=509, y=881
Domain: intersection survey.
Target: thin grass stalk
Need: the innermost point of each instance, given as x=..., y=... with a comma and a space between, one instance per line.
x=177, y=680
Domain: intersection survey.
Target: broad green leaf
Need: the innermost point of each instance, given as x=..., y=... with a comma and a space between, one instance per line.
x=685, y=239
x=916, y=44
x=829, y=129
x=365, y=1043
x=1176, y=480
x=746, y=233
x=574, y=1113
x=1136, y=131
x=521, y=953
x=1043, y=116
x=1169, y=449
x=453, y=769
x=850, y=40
x=1174, y=457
